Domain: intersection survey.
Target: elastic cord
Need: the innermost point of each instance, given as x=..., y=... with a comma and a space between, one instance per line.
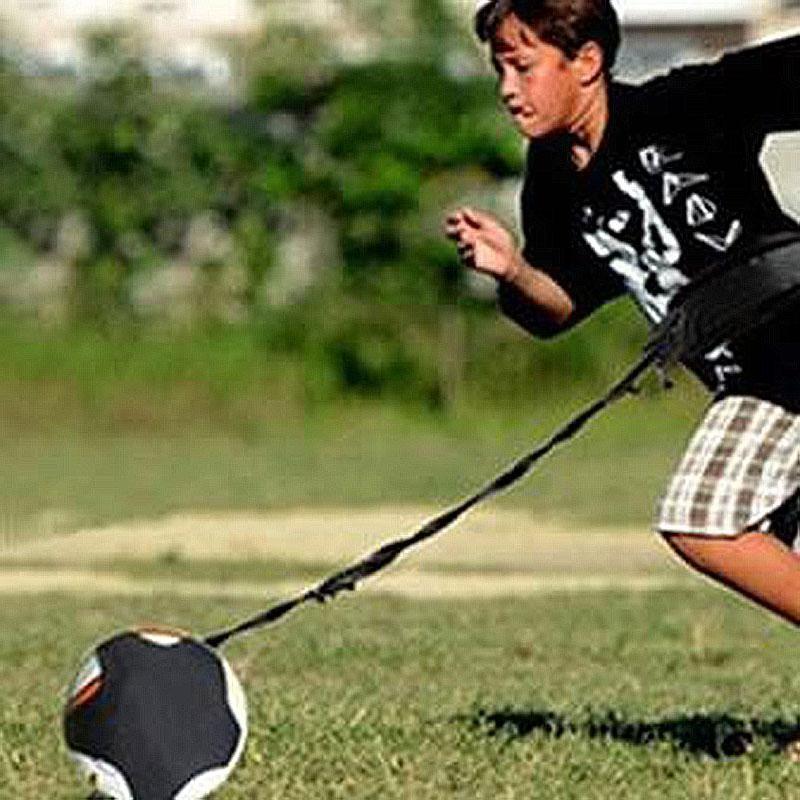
x=349, y=578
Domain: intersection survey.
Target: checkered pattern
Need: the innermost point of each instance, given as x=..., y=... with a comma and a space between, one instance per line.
x=742, y=463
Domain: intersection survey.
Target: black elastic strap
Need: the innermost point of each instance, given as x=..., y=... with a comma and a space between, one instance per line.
x=349, y=578
x=730, y=300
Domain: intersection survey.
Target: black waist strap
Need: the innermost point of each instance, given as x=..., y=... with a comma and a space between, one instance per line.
x=730, y=301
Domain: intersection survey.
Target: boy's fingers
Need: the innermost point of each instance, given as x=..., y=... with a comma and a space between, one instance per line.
x=461, y=233
x=474, y=218
x=455, y=219
x=467, y=236
x=454, y=224
x=467, y=256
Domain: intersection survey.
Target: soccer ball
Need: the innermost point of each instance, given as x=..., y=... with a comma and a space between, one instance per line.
x=155, y=715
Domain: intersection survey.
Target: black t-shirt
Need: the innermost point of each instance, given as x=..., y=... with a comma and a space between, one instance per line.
x=675, y=187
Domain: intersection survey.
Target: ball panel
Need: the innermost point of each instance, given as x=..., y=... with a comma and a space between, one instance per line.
x=237, y=702
x=105, y=778
x=90, y=672
x=87, y=693
x=165, y=637
x=202, y=785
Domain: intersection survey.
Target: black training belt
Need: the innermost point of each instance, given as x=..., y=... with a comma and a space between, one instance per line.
x=731, y=300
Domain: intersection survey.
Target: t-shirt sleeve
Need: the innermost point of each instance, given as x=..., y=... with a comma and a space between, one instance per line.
x=755, y=89
x=552, y=240
x=588, y=290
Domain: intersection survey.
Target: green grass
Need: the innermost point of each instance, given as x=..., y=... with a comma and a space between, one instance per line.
x=97, y=427
x=596, y=696
x=357, y=456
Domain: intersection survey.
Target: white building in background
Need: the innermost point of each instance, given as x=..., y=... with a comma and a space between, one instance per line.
x=192, y=37
x=197, y=37
x=661, y=34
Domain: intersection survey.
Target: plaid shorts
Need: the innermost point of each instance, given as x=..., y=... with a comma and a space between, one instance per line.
x=742, y=466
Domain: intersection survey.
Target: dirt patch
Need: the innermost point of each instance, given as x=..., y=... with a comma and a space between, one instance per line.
x=408, y=583
x=492, y=540
x=492, y=553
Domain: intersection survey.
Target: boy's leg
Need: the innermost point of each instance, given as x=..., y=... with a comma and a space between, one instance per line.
x=758, y=565
x=739, y=478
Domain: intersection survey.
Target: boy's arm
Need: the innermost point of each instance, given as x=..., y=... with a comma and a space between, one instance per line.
x=757, y=88
x=535, y=302
x=766, y=79
x=529, y=296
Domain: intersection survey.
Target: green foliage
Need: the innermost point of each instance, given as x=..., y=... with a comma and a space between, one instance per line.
x=389, y=131
x=152, y=179
x=416, y=111
x=36, y=184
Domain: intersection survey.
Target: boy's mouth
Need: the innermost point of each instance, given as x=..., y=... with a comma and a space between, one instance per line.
x=519, y=112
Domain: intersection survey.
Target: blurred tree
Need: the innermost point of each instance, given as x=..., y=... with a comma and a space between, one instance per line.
x=372, y=138
x=371, y=143
x=149, y=166
x=36, y=186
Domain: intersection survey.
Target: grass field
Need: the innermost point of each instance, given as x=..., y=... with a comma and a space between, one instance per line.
x=579, y=696
x=361, y=455
x=98, y=428
x=599, y=668
x=547, y=648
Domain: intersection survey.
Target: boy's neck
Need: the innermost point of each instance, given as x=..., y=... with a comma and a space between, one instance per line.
x=589, y=125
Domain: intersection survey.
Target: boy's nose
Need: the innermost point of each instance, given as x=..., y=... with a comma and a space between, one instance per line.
x=509, y=91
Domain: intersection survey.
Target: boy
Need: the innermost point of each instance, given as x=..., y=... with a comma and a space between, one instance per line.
x=637, y=190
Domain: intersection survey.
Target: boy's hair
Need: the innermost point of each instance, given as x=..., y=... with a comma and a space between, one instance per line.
x=565, y=24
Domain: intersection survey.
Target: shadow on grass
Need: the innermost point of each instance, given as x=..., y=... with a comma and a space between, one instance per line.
x=712, y=735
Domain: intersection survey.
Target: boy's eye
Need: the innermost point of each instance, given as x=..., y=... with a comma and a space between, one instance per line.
x=520, y=67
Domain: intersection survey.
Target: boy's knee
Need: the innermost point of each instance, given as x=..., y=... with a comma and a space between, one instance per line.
x=709, y=553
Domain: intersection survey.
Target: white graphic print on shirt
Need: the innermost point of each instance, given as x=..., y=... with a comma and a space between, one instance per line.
x=649, y=272
x=675, y=184
x=643, y=249
x=724, y=363
x=699, y=210
x=654, y=158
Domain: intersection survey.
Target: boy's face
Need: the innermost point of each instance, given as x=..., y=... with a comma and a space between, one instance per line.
x=539, y=85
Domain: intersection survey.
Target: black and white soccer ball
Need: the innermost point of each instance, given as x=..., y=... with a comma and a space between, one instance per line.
x=155, y=715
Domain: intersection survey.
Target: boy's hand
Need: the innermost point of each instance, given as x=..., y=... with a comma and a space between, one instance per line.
x=483, y=243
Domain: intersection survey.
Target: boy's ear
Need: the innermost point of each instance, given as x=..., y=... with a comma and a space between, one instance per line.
x=589, y=62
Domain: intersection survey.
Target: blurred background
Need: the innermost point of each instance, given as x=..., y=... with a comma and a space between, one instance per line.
x=223, y=282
